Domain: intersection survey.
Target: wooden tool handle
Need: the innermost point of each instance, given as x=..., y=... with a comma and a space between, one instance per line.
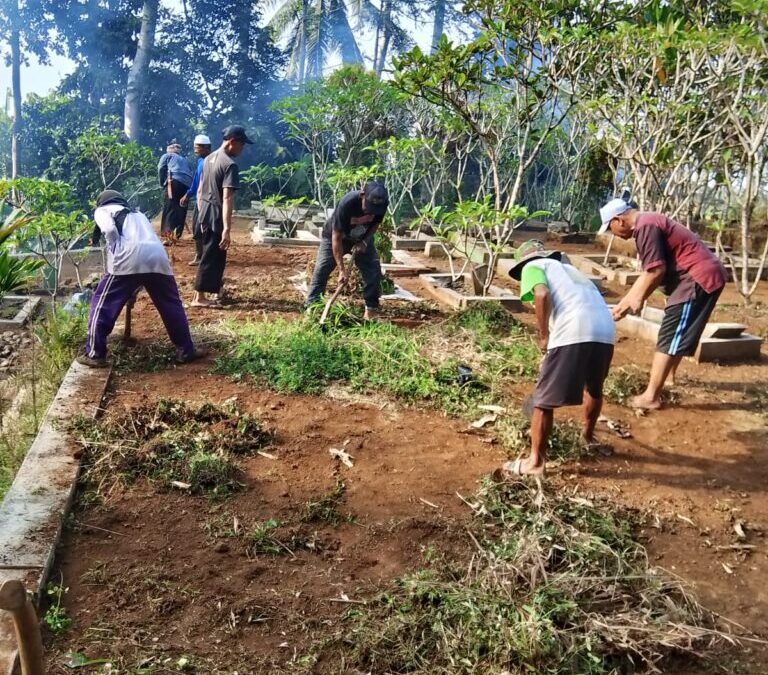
x=331, y=300
x=13, y=599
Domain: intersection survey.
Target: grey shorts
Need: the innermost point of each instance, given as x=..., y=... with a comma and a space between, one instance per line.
x=567, y=371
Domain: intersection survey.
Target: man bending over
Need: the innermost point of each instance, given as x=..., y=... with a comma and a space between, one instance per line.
x=135, y=258
x=577, y=333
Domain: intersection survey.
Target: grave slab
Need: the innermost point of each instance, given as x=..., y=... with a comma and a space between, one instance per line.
x=435, y=285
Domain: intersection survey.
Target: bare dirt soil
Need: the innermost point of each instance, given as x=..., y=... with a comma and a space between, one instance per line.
x=153, y=577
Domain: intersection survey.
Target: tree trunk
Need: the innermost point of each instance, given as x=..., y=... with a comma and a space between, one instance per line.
x=16, y=84
x=318, y=60
x=303, y=46
x=137, y=76
x=438, y=24
x=746, y=216
x=387, y=38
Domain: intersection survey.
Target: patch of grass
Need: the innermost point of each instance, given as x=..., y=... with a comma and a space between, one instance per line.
x=325, y=509
x=624, y=383
x=167, y=441
x=564, y=442
x=57, y=339
x=557, y=584
x=303, y=357
x=263, y=538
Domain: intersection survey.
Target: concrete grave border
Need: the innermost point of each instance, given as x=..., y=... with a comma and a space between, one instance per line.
x=722, y=342
x=27, y=310
x=33, y=510
x=435, y=286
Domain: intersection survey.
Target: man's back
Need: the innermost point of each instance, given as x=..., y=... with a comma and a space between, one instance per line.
x=219, y=171
x=579, y=313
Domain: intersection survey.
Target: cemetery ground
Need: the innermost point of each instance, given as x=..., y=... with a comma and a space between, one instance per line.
x=392, y=553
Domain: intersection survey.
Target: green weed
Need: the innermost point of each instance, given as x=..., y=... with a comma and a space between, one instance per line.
x=56, y=616
x=58, y=337
x=325, y=509
x=303, y=357
x=263, y=539
x=624, y=383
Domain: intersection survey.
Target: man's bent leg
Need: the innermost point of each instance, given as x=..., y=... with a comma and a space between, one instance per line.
x=592, y=408
x=370, y=270
x=541, y=427
x=661, y=366
x=108, y=301
x=164, y=293
x=324, y=265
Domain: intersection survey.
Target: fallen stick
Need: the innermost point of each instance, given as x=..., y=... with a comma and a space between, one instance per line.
x=13, y=599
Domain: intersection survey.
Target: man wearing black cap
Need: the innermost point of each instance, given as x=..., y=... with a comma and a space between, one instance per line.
x=215, y=203
x=351, y=229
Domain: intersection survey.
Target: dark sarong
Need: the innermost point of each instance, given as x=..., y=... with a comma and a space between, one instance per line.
x=174, y=214
x=210, y=272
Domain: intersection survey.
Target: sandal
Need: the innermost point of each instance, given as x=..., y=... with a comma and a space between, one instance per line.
x=513, y=470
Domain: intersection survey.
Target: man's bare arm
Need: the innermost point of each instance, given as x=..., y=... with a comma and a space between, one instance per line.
x=542, y=303
x=633, y=301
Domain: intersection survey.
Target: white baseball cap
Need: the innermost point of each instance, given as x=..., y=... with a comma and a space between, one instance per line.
x=613, y=208
x=202, y=139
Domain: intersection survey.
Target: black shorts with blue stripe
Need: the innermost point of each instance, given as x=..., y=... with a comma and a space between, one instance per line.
x=684, y=323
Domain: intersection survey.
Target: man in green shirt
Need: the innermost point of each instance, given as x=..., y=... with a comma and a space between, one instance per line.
x=576, y=332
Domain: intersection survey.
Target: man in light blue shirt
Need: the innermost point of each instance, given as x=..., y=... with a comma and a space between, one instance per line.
x=175, y=176
x=202, y=150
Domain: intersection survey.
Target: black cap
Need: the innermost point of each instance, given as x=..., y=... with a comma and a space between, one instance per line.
x=236, y=133
x=376, y=198
x=109, y=197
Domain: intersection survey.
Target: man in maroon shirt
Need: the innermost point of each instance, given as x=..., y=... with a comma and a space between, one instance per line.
x=675, y=259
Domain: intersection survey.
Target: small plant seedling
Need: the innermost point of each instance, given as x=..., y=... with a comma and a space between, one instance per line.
x=56, y=616
x=326, y=508
x=263, y=539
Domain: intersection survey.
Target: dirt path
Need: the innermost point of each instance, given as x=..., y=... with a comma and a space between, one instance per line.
x=701, y=467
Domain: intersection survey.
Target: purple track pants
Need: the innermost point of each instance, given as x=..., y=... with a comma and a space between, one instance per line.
x=114, y=291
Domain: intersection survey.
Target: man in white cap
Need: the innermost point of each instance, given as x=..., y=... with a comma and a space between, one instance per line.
x=676, y=260
x=202, y=150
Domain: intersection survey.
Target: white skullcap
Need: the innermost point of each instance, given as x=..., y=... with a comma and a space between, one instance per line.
x=202, y=139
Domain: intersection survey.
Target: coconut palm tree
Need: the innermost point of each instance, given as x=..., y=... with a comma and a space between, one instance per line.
x=315, y=28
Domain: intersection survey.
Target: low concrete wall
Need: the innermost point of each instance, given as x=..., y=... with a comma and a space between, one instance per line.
x=33, y=510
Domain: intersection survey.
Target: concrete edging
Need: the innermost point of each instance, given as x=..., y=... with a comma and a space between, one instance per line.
x=33, y=510
x=23, y=314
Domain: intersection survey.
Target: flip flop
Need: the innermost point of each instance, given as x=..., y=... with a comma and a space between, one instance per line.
x=604, y=449
x=515, y=469
x=633, y=403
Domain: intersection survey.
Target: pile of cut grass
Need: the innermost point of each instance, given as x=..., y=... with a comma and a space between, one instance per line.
x=170, y=441
x=556, y=584
x=303, y=357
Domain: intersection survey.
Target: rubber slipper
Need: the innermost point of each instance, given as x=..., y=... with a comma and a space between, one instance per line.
x=515, y=469
x=636, y=405
x=604, y=449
